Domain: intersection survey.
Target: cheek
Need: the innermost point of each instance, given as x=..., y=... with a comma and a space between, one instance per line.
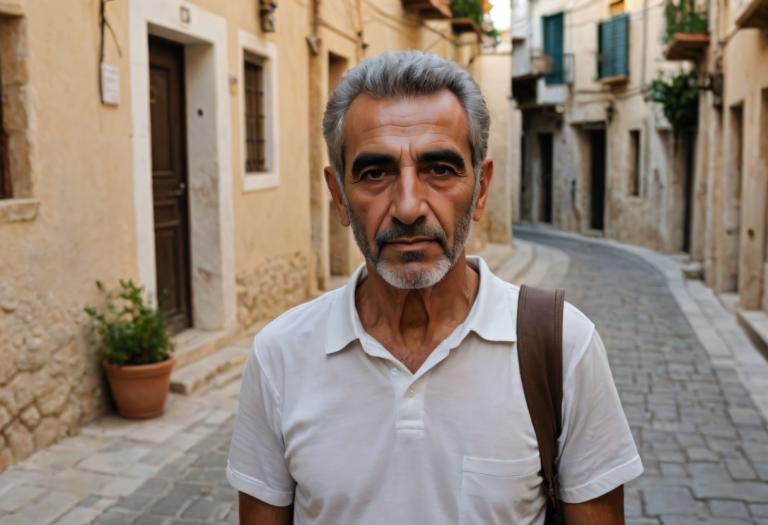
x=370, y=214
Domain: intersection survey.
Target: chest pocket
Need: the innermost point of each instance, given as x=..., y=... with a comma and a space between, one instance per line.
x=500, y=491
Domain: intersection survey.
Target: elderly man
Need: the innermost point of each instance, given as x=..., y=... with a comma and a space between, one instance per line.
x=397, y=399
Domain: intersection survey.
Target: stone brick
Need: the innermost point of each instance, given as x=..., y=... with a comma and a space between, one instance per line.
x=662, y=501
x=47, y=432
x=728, y=509
x=30, y=417
x=20, y=439
x=53, y=402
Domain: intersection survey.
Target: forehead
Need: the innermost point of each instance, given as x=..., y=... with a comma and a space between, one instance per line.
x=416, y=122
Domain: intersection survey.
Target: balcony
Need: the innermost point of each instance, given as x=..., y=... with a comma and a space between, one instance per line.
x=530, y=62
x=429, y=9
x=465, y=25
x=686, y=35
x=686, y=46
x=752, y=13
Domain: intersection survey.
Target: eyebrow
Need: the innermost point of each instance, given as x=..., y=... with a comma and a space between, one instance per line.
x=371, y=159
x=442, y=155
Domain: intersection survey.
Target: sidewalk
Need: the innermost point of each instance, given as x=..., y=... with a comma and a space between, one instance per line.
x=170, y=469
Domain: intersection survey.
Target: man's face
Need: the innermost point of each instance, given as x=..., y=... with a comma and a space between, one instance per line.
x=409, y=185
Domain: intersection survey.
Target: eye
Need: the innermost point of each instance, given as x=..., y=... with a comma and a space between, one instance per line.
x=442, y=170
x=373, y=174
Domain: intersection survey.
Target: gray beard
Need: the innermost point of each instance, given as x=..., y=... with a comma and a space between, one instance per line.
x=404, y=278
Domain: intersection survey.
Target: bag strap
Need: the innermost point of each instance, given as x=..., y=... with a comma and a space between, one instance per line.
x=540, y=353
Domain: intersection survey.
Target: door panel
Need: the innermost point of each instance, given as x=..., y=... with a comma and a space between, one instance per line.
x=169, y=182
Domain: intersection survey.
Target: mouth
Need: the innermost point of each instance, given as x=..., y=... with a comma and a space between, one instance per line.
x=412, y=243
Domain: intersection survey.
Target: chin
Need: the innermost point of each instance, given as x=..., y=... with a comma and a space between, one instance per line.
x=410, y=276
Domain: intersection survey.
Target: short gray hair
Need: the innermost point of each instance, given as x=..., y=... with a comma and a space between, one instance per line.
x=405, y=74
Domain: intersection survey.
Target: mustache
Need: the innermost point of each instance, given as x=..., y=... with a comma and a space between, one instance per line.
x=417, y=229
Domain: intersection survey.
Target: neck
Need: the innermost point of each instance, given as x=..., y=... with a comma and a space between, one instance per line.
x=419, y=317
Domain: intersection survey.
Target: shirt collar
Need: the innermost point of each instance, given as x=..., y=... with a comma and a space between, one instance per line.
x=492, y=316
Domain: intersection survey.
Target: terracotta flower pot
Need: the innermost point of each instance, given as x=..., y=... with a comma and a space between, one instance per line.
x=140, y=391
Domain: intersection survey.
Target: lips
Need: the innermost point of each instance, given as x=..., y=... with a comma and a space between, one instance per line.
x=416, y=243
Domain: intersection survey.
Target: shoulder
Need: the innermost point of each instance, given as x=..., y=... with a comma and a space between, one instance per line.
x=297, y=331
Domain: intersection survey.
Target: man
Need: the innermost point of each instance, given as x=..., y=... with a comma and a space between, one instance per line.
x=397, y=399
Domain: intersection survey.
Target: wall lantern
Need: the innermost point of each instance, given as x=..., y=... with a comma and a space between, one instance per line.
x=267, y=10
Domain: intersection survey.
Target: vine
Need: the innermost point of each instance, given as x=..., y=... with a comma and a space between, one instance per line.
x=679, y=97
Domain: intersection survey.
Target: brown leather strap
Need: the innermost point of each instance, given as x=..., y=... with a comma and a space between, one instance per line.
x=540, y=353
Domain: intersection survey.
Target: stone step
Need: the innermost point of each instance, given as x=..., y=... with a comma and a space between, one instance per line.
x=692, y=270
x=193, y=345
x=209, y=371
x=519, y=263
x=755, y=323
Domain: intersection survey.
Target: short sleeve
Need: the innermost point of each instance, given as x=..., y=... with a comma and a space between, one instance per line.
x=256, y=463
x=597, y=450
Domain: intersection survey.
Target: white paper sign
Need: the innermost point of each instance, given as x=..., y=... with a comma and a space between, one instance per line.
x=110, y=84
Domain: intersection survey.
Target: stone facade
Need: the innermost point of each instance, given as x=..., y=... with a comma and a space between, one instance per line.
x=276, y=285
x=49, y=380
x=560, y=120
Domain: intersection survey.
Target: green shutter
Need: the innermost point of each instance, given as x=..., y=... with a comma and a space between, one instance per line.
x=552, y=32
x=613, y=45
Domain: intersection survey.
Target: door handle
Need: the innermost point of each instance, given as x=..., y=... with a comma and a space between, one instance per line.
x=179, y=192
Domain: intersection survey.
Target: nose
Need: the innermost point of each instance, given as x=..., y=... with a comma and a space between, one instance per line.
x=408, y=203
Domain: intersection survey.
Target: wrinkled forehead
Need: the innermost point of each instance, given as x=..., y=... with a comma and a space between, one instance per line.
x=407, y=123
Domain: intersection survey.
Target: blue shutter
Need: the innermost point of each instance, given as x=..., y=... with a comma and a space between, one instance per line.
x=613, y=46
x=552, y=32
x=621, y=45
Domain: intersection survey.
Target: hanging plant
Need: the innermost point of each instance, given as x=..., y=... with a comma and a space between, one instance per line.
x=683, y=16
x=679, y=98
x=468, y=9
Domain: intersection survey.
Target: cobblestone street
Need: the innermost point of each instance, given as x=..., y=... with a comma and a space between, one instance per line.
x=703, y=442
x=692, y=387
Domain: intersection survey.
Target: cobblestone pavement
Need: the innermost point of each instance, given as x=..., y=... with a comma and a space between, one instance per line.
x=703, y=442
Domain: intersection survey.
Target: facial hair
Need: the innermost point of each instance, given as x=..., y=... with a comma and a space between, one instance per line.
x=400, y=276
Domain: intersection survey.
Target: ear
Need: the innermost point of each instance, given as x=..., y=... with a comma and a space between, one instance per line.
x=336, y=194
x=486, y=174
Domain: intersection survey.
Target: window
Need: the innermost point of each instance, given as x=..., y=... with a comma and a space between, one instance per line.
x=613, y=44
x=255, y=143
x=5, y=176
x=552, y=35
x=259, y=117
x=634, y=162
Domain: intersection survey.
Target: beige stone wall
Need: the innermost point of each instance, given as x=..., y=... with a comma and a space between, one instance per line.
x=735, y=136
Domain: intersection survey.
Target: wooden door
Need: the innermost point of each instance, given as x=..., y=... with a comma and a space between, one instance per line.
x=169, y=181
x=597, y=154
x=546, y=153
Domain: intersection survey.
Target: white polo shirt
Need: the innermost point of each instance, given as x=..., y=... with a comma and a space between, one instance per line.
x=331, y=421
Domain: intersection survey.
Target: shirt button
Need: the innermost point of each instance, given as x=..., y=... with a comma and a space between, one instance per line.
x=394, y=371
x=411, y=392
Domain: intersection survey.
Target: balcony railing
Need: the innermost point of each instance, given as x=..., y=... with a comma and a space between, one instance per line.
x=560, y=69
x=530, y=62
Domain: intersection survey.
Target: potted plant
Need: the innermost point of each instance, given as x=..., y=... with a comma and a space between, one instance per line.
x=135, y=350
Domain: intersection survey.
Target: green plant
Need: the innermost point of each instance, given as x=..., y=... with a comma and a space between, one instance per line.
x=684, y=17
x=679, y=97
x=468, y=9
x=132, y=333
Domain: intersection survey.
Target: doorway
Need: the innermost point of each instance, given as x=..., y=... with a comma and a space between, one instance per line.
x=339, y=236
x=688, y=172
x=597, y=178
x=545, y=195
x=169, y=182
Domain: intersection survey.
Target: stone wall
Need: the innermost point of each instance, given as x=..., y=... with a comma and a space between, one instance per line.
x=50, y=382
x=279, y=283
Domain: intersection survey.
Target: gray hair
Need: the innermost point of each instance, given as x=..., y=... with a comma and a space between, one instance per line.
x=405, y=74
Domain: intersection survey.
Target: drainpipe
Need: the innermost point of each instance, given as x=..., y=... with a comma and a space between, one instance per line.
x=314, y=38
x=647, y=124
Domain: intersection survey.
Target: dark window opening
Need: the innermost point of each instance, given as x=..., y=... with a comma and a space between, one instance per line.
x=255, y=137
x=634, y=162
x=5, y=176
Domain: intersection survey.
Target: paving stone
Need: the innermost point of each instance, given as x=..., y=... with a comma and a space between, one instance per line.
x=759, y=510
x=728, y=509
x=663, y=501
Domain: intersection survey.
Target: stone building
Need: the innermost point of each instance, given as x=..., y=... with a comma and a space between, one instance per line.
x=177, y=143
x=596, y=157
x=730, y=57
